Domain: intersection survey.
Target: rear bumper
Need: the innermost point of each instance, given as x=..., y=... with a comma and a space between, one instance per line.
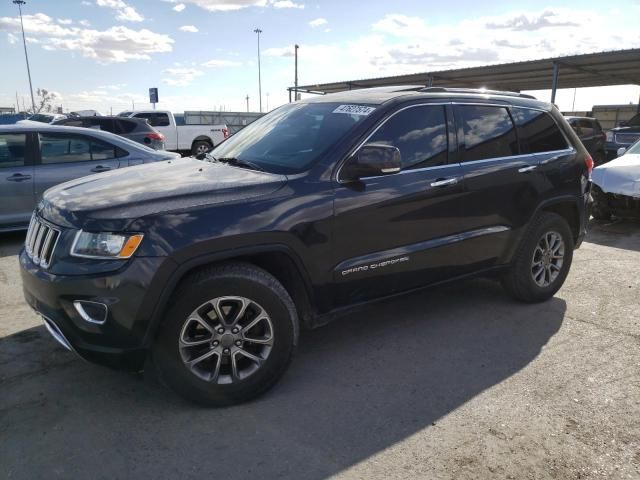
x=585, y=215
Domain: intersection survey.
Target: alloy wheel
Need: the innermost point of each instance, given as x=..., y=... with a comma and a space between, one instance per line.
x=226, y=339
x=548, y=258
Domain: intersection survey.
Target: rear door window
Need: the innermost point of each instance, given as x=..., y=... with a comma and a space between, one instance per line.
x=13, y=148
x=155, y=119
x=63, y=148
x=538, y=132
x=126, y=126
x=587, y=127
x=420, y=133
x=487, y=132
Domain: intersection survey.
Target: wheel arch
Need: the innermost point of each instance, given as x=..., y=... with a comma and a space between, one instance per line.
x=203, y=138
x=278, y=260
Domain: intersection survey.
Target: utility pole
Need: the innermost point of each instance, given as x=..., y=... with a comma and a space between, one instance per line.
x=247, y=103
x=133, y=105
x=267, y=102
x=258, y=31
x=295, y=90
x=26, y=57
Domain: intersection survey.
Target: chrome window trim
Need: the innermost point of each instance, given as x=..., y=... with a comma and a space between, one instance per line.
x=569, y=149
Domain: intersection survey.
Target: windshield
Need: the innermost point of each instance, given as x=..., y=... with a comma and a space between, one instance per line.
x=635, y=121
x=38, y=117
x=291, y=138
x=635, y=148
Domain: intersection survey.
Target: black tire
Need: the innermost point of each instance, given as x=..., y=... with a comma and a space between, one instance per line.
x=519, y=281
x=600, y=209
x=200, y=146
x=599, y=158
x=238, y=280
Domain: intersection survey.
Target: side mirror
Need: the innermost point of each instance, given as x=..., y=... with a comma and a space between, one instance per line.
x=621, y=151
x=372, y=160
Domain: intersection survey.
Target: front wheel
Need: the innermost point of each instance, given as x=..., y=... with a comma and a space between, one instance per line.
x=542, y=261
x=229, y=336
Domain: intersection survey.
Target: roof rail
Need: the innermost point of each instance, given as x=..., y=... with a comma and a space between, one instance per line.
x=476, y=91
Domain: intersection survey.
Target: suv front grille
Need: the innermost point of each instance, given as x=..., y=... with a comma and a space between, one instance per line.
x=626, y=138
x=41, y=241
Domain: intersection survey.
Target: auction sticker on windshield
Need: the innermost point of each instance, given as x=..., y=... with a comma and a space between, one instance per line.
x=354, y=109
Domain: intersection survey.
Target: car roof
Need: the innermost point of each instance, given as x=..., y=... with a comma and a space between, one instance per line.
x=573, y=117
x=380, y=95
x=104, y=117
x=47, y=128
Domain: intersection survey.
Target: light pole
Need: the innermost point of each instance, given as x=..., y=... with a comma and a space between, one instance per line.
x=26, y=57
x=295, y=92
x=258, y=31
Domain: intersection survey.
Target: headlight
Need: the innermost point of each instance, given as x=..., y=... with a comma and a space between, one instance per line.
x=609, y=136
x=105, y=245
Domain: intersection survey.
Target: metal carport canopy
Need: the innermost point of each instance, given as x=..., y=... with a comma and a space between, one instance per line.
x=618, y=67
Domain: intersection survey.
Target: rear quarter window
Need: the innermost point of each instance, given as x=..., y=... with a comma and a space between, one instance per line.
x=537, y=131
x=126, y=126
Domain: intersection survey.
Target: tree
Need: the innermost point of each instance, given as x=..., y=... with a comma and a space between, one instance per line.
x=45, y=98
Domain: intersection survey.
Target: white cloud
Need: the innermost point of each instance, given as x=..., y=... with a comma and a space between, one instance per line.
x=179, y=7
x=180, y=77
x=229, y=5
x=226, y=5
x=65, y=21
x=189, y=28
x=124, y=12
x=286, y=4
x=215, y=63
x=11, y=38
x=318, y=22
x=114, y=45
x=86, y=3
x=85, y=23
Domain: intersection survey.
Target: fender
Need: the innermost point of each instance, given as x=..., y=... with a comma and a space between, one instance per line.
x=518, y=234
x=180, y=270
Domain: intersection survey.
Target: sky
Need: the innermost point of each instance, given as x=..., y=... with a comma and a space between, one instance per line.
x=202, y=54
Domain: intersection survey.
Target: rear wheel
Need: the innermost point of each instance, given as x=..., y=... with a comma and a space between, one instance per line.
x=600, y=208
x=200, y=147
x=229, y=336
x=542, y=261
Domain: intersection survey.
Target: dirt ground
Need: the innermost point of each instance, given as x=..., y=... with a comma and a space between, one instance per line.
x=458, y=382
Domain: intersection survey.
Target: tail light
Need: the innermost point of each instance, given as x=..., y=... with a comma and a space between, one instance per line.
x=155, y=136
x=225, y=132
x=589, y=163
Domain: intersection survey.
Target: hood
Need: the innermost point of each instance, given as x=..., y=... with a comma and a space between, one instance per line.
x=633, y=129
x=621, y=176
x=114, y=198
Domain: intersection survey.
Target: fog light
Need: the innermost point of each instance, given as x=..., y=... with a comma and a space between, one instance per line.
x=92, y=312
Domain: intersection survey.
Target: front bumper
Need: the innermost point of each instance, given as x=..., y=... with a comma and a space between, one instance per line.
x=120, y=341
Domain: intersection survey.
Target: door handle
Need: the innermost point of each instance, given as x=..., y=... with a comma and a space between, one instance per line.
x=445, y=182
x=100, y=168
x=529, y=168
x=18, y=177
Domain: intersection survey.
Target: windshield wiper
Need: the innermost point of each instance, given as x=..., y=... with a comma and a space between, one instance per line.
x=237, y=162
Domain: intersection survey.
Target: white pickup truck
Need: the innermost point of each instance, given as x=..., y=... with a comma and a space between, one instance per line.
x=180, y=137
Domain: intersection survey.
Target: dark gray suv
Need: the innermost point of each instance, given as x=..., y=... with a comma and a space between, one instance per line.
x=134, y=129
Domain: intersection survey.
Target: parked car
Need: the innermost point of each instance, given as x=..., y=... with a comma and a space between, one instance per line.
x=42, y=118
x=616, y=189
x=320, y=206
x=591, y=135
x=180, y=137
x=35, y=157
x=623, y=136
x=136, y=129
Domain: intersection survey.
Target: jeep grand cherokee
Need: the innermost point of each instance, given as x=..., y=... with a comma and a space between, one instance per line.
x=210, y=268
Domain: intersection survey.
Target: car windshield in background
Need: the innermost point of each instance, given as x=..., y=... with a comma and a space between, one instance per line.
x=38, y=117
x=291, y=138
x=635, y=148
x=634, y=121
